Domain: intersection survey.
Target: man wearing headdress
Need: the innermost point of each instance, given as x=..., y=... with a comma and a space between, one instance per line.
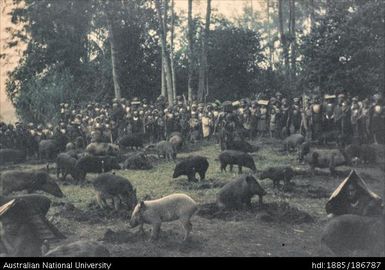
x=295, y=114
x=262, y=118
x=169, y=121
x=159, y=125
x=354, y=117
x=137, y=123
x=364, y=122
x=316, y=123
x=377, y=120
x=328, y=109
x=343, y=119
x=306, y=115
x=286, y=117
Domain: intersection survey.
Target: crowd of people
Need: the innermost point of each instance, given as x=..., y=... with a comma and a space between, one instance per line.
x=345, y=118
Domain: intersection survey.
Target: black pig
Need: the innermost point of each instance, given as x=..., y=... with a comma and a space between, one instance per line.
x=137, y=161
x=39, y=202
x=277, y=174
x=65, y=164
x=242, y=146
x=131, y=141
x=233, y=157
x=95, y=164
x=30, y=181
x=116, y=188
x=239, y=192
x=346, y=234
x=190, y=166
x=293, y=141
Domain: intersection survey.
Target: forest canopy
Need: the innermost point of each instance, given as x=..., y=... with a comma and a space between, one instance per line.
x=93, y=50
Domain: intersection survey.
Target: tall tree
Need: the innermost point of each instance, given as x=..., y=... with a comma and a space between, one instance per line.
x=293, y=42
x=172, y=49
x=190, y=51
x=283, y=37
x=163, y=75
x=114, y=51
x=332, y=61
x=203, y=74
x=270, y=43
x=166, y=56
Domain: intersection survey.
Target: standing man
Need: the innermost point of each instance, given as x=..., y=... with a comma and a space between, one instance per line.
x=377, y=120
x=295, y=114
x=316, y=118
x=342, y=119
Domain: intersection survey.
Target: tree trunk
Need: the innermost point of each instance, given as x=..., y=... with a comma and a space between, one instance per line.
x=163, y=79
x=283, y=37
x=190, y=52
x=269, y=35
x=114, y=58
x=172, y=51
x=163, y=82
x=202, y=89
x=293, y=49
x=166, y=57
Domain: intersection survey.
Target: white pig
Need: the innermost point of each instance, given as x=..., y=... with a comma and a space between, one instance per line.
x=170, y=208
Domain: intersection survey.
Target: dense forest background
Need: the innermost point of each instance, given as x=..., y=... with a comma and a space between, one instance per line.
x=95, y=50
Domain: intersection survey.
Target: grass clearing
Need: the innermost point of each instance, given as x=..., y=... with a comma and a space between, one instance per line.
x=241, y=234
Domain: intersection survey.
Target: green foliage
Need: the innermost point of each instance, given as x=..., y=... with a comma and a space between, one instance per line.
x=68, y=56
x=41, y=97
x=68, y=53
x=346, y=50
x=234, y=54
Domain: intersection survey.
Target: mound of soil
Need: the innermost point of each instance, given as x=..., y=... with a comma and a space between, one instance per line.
x=270, y=212
x=309, y=191
x=282, y=212
x=211, y=210
x=119, y=237
x=94, y=214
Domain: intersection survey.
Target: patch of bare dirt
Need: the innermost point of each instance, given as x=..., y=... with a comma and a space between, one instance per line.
x=270, y=212
x=93, y=215
x=119, y=237
x=308, y=191
x=283, y=212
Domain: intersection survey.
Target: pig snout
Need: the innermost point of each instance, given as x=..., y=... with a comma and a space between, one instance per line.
x=176, y=173
x=52, y=188
x=133, y=222
x=258, y=190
